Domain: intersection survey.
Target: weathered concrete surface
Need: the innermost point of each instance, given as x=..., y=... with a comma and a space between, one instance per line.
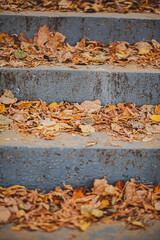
x=43, y=164
x=108, y=83
x=97, y=231
x=105, y=27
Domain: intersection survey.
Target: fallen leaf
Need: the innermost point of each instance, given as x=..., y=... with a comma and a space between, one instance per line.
x=148, y=206
x=5, y=214
x=54, y=41
x=119, y=184
x=155, y=118
x=157, y=189
x=130, y=189
x=91, y=106
x=85, y=226
x=143, y=47
x=157, y=206
x=53, y=105
x=20, y=213
x=104, y=204
x=8, y=97
x=111, y=190
x=115, y=127
x=99, y=185
x=19, y=54
x=43, y=36
x=107, y=220
x=87, y=128
x=24, y=105
x=47, y=122
x=2, y=108
x=18, y=117
x=88, y=121
x=5, y=120
x=136, y=124
x=90, y=144
x=88, y=211
x=157, y=109
x=136, y=223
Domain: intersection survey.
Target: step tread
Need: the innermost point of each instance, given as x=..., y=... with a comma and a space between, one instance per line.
x=75, y=67
x=96, y=231
x=141, y=16
x=11, y=138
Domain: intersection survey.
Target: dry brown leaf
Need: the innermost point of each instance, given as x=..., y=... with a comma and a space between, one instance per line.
x=91, y=106
x=157, y=206
x=47, y=122
x=43, y=36
x=99, y=185
x=90, y=144
x=148, y=206
x=5, y=214
x=115, y=127
x=130, y=189
x=87, y=128
x=7, y=97
x=143, y=47
x=54, y=41
x=5, y=120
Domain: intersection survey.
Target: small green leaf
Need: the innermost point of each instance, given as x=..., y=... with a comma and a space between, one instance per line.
x=19, y=54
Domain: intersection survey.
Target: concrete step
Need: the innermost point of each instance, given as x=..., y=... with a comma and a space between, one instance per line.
x=97, y=231
x=105, y=27
x=108, y=83
x=43, y=164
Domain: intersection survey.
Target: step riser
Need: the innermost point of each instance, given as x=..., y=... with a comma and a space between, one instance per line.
x=78, y=85
x=47, y=168
x=101, y=27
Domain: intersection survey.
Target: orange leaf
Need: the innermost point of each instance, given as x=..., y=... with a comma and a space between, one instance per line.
x=119, y=184
x=2, y=108
x=77, y=194
x=157, y=110
x=25, y=105
x=121, y=105
x=104, y=204
x=157, y=189
x=53, y=105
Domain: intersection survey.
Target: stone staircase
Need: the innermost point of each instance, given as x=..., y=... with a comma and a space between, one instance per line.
x=42, y=164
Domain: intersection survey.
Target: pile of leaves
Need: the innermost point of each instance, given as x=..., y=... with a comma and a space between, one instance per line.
x=121, y=6
x=48, y=48
x=134, y=203
x=125, y=121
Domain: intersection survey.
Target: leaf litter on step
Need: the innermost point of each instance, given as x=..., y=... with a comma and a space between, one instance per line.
x=48, y=48
x=132, y=203
x=121, y=6
x=124, y=121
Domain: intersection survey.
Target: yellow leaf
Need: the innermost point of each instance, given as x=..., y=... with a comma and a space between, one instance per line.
x=104, y=204
x=2, y=108
x=53, y=105
x=155, y=118
x=20, y=213
x=25, y=105
x=97, y=213
x=87, y=128
x=85, y=226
